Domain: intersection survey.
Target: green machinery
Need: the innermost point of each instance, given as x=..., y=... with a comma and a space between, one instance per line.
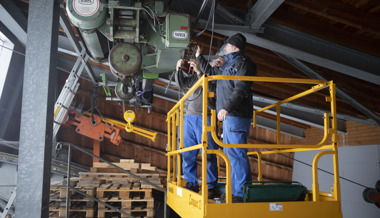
x=133, y=37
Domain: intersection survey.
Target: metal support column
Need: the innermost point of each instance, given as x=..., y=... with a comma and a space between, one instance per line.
x=33, y=178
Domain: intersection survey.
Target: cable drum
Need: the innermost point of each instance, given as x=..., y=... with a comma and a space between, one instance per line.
x=125, y=60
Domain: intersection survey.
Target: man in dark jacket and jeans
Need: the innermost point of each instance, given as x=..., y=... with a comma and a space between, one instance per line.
x=234, y=107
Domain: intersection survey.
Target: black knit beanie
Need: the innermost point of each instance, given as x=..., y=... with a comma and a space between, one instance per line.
x=237, y=40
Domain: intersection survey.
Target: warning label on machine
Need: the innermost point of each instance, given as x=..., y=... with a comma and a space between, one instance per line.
x=275, y=206
x=86, y=8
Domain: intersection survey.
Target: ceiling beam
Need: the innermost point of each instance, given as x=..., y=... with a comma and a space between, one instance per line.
x=340, y=12
x=284, y=128
x=302, y=46
x=261, y=11
x=13, y=19
x=314, y=50
x=231, y=27
x=340, y=93
x=228, y=15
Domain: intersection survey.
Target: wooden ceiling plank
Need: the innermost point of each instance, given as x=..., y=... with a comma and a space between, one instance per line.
x=339, y=12
x=322, y=30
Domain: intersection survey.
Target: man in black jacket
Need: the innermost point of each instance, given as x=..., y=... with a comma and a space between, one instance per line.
x=234, y=106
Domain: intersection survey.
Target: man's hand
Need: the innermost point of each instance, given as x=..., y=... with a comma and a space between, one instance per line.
x=195, y=65
x=222, y=115
x=179, y=64
x=218, y=62
x=199, y=51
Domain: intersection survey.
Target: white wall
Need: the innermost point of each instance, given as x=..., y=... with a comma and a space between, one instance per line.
x=360, y=164
x=8, y=176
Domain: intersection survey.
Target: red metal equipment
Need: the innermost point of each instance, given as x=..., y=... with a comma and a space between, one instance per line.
x=96, y=130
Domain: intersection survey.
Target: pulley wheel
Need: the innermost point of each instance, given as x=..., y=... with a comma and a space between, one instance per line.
x=124, y=92
x=125, y=60
x=369, y=194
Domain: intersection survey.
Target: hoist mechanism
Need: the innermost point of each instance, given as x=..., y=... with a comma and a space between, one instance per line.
x=138, y=39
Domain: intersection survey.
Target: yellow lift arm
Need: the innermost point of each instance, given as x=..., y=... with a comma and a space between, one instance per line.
x=130, y=117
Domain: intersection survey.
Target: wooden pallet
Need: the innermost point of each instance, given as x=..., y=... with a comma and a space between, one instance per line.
x=125, y=164
x=96, y=179
x=128, y=191
x=73, y=194
x=148, y=213
x=128, y=203
x=58, y=209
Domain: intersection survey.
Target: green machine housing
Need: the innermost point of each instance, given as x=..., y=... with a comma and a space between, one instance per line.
x=177, y=28
x=145, y=38
x=124, y=24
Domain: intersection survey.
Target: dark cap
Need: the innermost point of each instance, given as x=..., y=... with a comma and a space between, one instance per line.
x=237, y=40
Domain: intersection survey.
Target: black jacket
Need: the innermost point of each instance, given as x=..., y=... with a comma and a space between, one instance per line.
x=194, y=106
x=233, y=95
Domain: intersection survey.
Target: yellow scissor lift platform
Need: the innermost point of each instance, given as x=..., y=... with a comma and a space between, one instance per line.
x=190, y=204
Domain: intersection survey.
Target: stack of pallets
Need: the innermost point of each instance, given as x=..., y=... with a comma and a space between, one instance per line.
x=80, y=206
x=113, y=187
x=130, y=198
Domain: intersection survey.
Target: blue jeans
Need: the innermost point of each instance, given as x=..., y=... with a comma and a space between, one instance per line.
x=192, y=135
x=236, y=131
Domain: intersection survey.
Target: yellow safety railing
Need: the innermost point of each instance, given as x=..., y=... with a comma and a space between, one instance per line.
x=175, y=118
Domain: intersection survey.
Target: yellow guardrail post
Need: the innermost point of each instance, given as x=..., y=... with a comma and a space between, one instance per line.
x=168, y=122
x=228, y=189
x=204, y=143
x=174, y=145
x=259, y=175
x=334, y=132
x=315, y=173
x=180, y=124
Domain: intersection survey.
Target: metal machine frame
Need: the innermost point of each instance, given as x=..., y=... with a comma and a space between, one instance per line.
x=190, y=204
